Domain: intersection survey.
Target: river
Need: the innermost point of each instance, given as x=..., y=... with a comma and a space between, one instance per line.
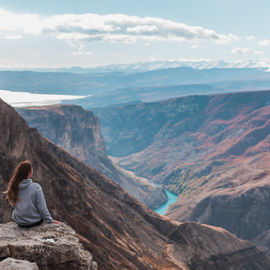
x=164, y=207
x=171, y=198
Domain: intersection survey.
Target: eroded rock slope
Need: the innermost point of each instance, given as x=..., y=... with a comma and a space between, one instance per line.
x=120, y=232
x=211, y=150
x=78, y=132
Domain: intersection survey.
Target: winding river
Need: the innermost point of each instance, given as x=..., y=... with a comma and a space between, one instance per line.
x=171, y=198
x=164, y=207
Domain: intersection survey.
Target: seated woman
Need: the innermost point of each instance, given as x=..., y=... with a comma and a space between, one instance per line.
x=27, y=198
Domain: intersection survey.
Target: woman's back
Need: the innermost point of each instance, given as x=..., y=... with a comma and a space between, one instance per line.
x=27, y=198
x=31, y=207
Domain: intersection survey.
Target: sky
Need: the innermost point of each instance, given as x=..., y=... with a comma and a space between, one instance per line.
x=86, y=33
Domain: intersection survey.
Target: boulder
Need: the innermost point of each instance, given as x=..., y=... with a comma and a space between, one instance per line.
x=50, y=246
x=13, y=264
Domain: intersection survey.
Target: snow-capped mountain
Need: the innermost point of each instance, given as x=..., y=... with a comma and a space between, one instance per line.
x=154, y=65
x=196, y=64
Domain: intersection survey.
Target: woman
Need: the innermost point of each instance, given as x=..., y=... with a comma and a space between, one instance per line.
x=27, y=198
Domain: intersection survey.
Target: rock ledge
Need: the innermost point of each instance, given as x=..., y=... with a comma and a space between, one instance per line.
x=51, y=246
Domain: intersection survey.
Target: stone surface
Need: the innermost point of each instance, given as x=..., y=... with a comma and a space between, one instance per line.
x=119, y=231
x=14, y=264
x=51, y=246
x=78, y=132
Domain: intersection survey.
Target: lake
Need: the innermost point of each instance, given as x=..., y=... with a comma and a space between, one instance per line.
x=25, y=99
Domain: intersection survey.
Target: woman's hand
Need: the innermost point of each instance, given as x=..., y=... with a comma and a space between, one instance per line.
x=57, y=222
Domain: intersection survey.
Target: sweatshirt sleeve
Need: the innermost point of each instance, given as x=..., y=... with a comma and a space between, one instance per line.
x=42, y=207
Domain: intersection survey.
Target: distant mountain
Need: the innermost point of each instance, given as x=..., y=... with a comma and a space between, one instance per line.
x=57, y=82
x=99, y=84
x=152, y=65
x=137, y=95
x=212, y=150
x=78, y=132
x=195, y=64
x=120, y=232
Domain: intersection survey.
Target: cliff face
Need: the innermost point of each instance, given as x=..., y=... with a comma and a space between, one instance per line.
x=212, y=150
x=120, y=232
x=78, y=132
x=50, y=246
x=71, y=127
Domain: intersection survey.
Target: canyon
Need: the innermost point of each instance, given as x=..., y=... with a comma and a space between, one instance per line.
x=212, y=150
x=78, y=132
x=120, y=232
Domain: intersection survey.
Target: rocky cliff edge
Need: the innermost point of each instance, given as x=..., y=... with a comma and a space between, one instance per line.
x=50, y=246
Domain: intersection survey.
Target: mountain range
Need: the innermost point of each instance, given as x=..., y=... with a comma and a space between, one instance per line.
x=212, y=150
x=108, y=88
x=119, y=231
x=152, y=65
x=197, y=132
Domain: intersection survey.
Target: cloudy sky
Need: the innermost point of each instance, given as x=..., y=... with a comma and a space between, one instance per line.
x=89, y=33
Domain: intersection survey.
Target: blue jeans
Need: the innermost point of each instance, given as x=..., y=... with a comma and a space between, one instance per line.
x=31, y=225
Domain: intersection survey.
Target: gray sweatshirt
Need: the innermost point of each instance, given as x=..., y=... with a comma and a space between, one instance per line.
x=31, y=207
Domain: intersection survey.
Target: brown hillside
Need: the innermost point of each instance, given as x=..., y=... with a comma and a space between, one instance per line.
x=120, y=232
x=211, y=150
x=78, y=132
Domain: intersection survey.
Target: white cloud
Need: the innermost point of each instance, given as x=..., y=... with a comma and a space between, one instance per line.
x=110, y=28
x=17, y=24
x=153, y=58
x=241, y=50
x=82, y=53
x=143, y=29
x=13, y=37
x=196, y=46
x=251, y=38
x=265, y=42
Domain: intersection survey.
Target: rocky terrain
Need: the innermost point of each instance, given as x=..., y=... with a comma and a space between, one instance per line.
x=14, y=264
x=120, y=232
x=212, y=150
x=50, y=246
x=78, y=132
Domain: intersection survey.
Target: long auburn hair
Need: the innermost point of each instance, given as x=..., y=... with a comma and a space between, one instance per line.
x=21, y=172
